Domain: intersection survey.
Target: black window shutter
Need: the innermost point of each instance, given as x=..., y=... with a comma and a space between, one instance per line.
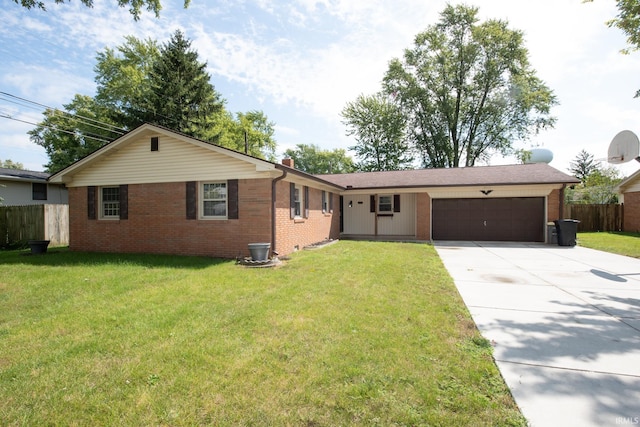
x=124, y=201
x=292, y=199
x=91, y=202
x=324, y=202
x=192, y=207
x=232, y=198
x=306, y=201
x=372, y=203
x=396, y=203
x=330, y=202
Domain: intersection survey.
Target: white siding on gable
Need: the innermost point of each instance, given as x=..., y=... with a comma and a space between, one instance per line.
x=633, y=188
x=175, y=161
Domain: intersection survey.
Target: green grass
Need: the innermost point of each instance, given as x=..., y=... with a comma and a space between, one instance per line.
x=615, y=242
x=356, y=333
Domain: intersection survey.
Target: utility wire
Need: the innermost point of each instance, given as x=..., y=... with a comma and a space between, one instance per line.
x=109, y=128
x=4, y=116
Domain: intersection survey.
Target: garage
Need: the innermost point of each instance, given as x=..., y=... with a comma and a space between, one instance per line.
x=513, y=219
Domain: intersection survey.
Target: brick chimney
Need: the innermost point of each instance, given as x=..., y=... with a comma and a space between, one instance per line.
x=288, y=162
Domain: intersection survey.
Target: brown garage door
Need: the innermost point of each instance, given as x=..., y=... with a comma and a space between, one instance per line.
x=516, y=219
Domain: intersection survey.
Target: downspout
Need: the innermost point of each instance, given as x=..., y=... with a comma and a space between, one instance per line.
x=273, y=208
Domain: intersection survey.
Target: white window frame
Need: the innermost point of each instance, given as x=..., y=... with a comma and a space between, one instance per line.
x=298, y=201
x=104, y=204
x=203, y=200
x=389, y=203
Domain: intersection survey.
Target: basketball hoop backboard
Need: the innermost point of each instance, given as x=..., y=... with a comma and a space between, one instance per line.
x=624, y=147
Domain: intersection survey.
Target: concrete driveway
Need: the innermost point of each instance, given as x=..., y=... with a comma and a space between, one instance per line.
x=565, y=325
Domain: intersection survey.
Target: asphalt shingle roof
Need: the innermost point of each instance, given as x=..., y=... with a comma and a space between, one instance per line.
x=22, y=174
x=539, y=173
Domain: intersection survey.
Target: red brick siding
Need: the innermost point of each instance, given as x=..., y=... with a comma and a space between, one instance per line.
x=631, y=212
x=157, y=223
x=554, y=201
x=294, y=234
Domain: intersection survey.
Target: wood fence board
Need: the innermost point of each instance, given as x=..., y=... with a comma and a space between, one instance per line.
x=18, y=224
x=596, y=217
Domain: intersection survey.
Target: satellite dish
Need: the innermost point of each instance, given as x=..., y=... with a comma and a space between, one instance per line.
x=624, y=147
x=539, y=155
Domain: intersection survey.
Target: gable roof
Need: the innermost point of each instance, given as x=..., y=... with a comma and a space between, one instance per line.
x=23, y=175
x=630, y=181
x=66, y=174
x=538, y=173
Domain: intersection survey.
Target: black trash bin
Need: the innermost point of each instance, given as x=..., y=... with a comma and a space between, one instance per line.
x=566, y=230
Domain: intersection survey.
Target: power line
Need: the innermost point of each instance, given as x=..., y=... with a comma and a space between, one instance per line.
x=88, y=120
x=6, y=116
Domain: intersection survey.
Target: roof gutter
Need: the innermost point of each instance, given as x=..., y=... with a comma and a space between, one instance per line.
x=273, y=208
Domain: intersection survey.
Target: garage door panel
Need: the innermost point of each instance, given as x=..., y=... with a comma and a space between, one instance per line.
x=497, y=219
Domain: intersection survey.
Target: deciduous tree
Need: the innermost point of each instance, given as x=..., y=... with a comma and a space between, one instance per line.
x=378, y=125
x=135, y=6
x=69, y=135
x=312, y=159
x=467, y=90
x=138, y=82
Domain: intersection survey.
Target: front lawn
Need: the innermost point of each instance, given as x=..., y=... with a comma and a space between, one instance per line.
x=356, y=333
x=615, y=242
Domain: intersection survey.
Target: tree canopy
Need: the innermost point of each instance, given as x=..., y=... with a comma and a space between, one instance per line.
x=10, y=164
x=180, y=95
x=312, y=159
x=583, y=165
x=378, y=125
x=140, y=81
x=598, y=182
x=466, y=90
x=135, y=6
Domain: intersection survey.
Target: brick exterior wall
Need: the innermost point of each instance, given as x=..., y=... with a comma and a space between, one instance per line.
x=631, y=212
x=294, y=234
x=157, y=222
x=555, y=201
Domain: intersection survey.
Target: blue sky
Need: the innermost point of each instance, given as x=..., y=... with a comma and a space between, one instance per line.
x=301, y=61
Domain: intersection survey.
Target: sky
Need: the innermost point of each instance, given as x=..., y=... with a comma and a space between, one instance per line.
x=302, y=61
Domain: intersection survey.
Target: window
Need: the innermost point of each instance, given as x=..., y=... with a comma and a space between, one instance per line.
x=214, y=200
x=297, y=201
x=39, y=191
x=325, y=204
x=385, y=204
x=110, y=202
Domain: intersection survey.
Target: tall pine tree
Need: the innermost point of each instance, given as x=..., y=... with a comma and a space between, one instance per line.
x=182, y=98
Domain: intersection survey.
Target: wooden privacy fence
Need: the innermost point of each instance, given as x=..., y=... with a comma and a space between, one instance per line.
x=18, y=224
x=596, y=217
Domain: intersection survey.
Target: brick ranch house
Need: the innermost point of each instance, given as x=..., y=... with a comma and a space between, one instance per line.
x=154, y=190
x=629, y=190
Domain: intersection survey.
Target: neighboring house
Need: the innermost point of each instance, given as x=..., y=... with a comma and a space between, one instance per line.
x=158, y=191
x=20, y=187
x=629, y=190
